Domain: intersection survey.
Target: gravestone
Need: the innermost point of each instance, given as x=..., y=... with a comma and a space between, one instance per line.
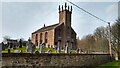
x=2, y=46
x=55, y=47
x=33, y=48
x=42, y=48
x=8, y=50
x=66, y=49
x=58, y=47
x=9, y=46
x=29, y=46
x=16, y=51
x=78, y=50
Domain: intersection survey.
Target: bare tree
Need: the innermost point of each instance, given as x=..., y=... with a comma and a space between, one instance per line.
x=115, y=37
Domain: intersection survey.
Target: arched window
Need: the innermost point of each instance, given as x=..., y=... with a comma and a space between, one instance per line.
x=40, y=38
x=46, y=37
x=36, y=39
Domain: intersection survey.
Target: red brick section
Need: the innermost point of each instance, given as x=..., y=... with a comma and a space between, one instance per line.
x=50, y=39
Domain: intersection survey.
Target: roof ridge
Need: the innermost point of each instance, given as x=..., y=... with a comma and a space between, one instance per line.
x=46, y=28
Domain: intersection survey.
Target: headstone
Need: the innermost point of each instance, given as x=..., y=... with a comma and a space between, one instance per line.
x=16, y=51
x=29, y=46
x=2, y=46
x=55, y=47
x=8, y=50
x=42, y=48
x=33, y=48
x=21, y=51
x=58, y=47
x=8, y=46
x=66, y=49
x=78, y=50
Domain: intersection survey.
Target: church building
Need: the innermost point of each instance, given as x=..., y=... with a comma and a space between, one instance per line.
x=61, y=34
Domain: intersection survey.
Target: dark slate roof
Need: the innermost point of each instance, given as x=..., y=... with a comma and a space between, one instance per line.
x=47, y=28
x=11, y=40
x=73, y=30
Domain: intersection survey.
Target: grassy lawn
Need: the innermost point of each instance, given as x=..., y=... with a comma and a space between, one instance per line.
x=12, y=50
x=24, y=50
x=37, y=49
x=114, y=64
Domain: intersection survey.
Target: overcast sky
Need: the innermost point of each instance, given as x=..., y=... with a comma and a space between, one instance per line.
x=20, y=19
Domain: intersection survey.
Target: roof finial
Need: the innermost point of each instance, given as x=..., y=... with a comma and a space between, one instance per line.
x=59, y=8
x=62, y=7
x=65, y=6
x=29, y=39
x=68, y=7
x=71, y=8
x=44, y=25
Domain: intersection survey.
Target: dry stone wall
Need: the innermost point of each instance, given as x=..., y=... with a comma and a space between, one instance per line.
x=26, y=59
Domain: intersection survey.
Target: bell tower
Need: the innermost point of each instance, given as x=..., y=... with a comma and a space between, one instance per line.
x=65, y=19
x=65, y=15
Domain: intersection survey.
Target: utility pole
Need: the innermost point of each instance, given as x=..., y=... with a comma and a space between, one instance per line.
x=109, y=34
x=109, y=31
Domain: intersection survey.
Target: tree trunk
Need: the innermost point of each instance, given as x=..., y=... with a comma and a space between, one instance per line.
x=116, y=56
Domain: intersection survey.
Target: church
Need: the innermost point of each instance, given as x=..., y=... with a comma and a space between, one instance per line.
x=61, y=33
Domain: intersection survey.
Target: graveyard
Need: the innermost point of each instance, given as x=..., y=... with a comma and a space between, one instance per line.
x=29, y=47
x=24, y=50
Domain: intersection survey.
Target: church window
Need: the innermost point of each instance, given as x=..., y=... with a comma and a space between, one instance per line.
x=36, y=37
x=48, y=46
x=46, y=37
x=40, y=38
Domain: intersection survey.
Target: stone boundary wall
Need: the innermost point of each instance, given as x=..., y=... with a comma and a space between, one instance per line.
x=26, y=59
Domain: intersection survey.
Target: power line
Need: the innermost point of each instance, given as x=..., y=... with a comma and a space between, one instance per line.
x=100, y=20
x=87, y=12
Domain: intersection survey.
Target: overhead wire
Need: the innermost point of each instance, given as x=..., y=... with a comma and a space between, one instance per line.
x=87, y=12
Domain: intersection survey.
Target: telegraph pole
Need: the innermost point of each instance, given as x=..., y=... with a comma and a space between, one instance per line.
x=110, y=49
x=109, y=29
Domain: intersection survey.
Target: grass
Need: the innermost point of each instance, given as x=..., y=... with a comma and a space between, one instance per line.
x=52, y=50
x=6, y=50
x=24, y=50
x=37, y=49
x=114, y=64
x=73, y=51
x=12, y=50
